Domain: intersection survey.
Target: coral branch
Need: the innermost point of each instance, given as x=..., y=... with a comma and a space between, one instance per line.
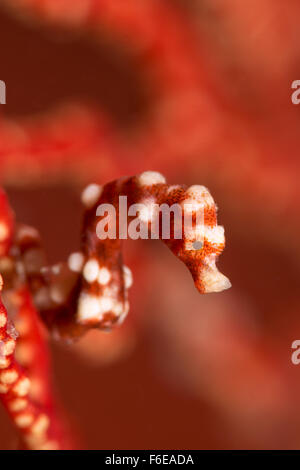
x=172, y=61
x=25, y=385
x=63, y=143
x=25, y=392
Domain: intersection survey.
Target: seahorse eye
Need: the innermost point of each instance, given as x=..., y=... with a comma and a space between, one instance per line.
x=197, y=245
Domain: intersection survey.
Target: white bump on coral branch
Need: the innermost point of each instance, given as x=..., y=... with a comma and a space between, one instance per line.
x=148, y=178
x=57, y=294
x=91, y=194
x=41, y=425
x=18, y=405
x=215, y=235
x=42, y=298
x=91, y=270
x=22, y=387
x=4, y=362
x=2, y=320
x=124, y=314
x=75, y=262
x=128, y=278
x=106, y=304
x=200, y=194
x=8, y=376
x=118, y=309
x=92, y=307
x=24, y=420
x=7, y=347
x=104, y=276
x=88, y=307
x=56, y=269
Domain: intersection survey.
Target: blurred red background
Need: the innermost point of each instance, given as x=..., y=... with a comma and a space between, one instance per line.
x=184, y=371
